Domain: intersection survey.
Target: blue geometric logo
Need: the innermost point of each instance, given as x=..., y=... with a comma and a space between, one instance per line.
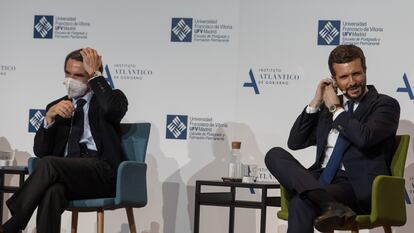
x=36, y=117
x=407, y=87
x=176, y=127
x=181, y=29
x=407, y=198
x=109, y=77
x=252, y=83
x=43, y=27
x=329, y=32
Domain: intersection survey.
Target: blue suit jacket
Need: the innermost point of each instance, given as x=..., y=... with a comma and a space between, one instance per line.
x=370, y=132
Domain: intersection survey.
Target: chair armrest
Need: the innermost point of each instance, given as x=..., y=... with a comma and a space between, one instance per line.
x=131, y=185
x=32, y=163
x=388, y=202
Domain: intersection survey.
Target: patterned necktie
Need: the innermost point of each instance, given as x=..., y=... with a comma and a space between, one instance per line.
x=76, y=130
x=336, y=157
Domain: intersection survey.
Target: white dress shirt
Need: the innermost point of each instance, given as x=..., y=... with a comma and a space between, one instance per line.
x=87, y=134
x=333, y=134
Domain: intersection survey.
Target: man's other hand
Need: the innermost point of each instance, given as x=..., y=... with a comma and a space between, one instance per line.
x=64, y=109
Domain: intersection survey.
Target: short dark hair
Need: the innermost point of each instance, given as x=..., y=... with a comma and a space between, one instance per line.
x=345, y=54
x=77, y=56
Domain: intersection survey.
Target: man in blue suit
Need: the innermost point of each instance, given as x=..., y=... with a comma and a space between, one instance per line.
x=355, y=138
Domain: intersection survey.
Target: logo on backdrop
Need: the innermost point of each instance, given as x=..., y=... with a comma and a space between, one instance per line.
x=177, y=127
x=43, y=27
x=263, y=175
x=128, y=72
x=269, y=78
x=252, y=83
x=58, y=27
x=194, y=128
x=407, y=87
x=192, y=30
x=328, y=32
x=335, y=32
x=5, y=69
x=407, y=198
x=181, y=29
x=36, y=117
x=109, y=77
x=409, y=190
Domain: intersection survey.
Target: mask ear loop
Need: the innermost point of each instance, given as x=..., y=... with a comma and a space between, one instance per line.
x=66, y=81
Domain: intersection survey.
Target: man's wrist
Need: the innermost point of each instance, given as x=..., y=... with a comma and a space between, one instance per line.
x=334, y=107
x=311, y=110
x=337, y=113
x=94, y=74
x=48, y=122
x=315, y=104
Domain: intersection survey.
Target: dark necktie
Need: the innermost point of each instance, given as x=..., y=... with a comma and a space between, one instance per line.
x=336, y=157
x=76, y=129
x=350, y=106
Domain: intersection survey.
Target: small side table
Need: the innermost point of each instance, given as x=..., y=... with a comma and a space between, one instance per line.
x=13, y=170
x=229, y=199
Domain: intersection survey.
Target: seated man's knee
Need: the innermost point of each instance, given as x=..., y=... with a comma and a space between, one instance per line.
x=273, y=155
x=56, y=190
x=46, y=162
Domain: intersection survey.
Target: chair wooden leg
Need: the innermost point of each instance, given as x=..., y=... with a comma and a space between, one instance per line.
x=100, y=221
x=387, y=229
x=74, y=225
x=355, y=229
x=131, y=220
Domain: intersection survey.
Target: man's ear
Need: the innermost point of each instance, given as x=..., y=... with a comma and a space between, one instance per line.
x=334, y=82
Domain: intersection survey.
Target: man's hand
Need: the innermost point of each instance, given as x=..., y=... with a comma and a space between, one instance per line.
x=91, y=60
x=64, y=109
x=319, y=95
x=330, y=96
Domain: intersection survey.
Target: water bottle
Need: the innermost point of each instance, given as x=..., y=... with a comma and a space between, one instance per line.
x=235, y=161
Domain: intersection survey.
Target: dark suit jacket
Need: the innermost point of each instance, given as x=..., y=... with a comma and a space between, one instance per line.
x=370, y=132
x=107, y=108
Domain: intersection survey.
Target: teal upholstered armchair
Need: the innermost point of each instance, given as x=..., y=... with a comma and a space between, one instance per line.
x=388, y=202
x=131, y=187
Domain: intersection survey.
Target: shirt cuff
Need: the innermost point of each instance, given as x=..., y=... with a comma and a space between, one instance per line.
x=311, y=110
x=93, y=78
x=336, y=114
x=46, y=125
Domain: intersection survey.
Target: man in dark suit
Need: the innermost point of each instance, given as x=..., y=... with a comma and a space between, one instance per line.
x=355, y=137
x=79, y=145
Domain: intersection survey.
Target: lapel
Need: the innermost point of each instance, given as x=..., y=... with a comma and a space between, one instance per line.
x=366, y=102
x=93, y=115
x=325, y=125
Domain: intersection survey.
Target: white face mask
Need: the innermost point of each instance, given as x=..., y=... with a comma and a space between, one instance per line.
x=75, y=88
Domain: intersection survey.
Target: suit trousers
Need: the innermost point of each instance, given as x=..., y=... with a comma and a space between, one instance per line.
x=54, y=182
x=298, y=181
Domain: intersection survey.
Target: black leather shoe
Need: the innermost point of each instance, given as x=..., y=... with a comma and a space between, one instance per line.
x=335, y=215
